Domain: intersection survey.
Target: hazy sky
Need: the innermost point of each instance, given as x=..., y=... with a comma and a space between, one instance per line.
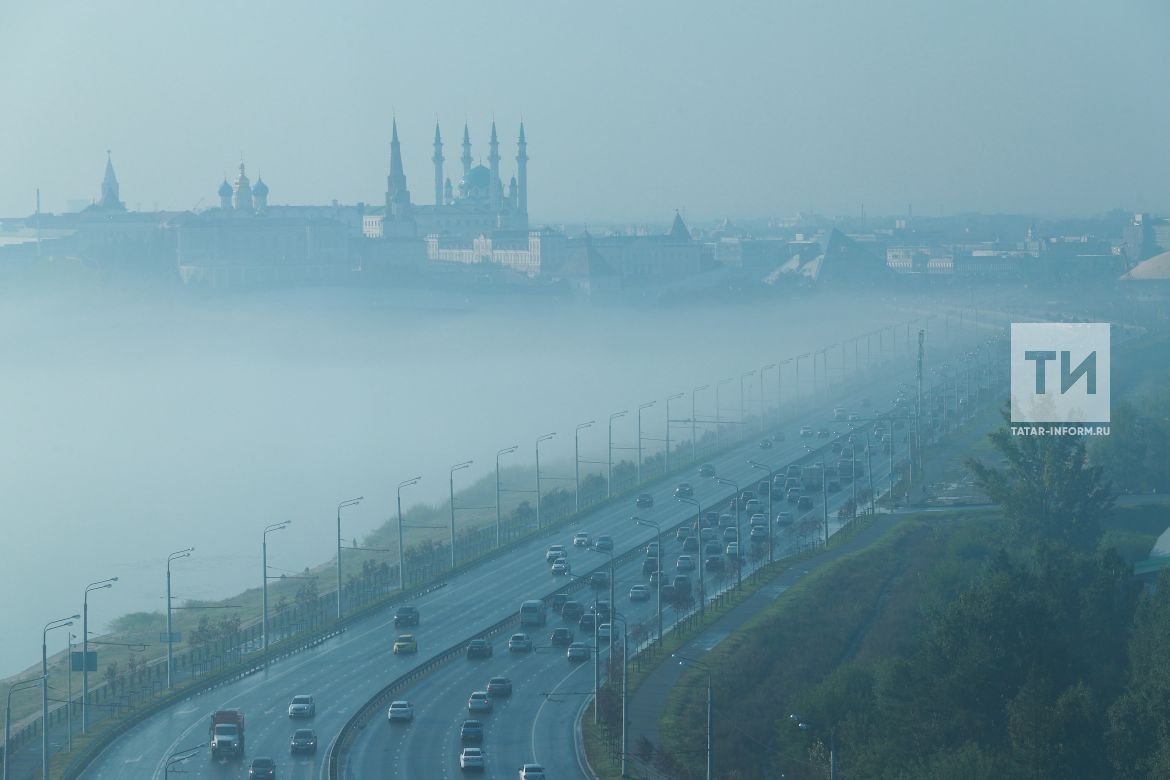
x=632, y=108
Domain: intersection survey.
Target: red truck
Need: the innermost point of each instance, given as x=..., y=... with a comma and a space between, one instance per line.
x=227, y=733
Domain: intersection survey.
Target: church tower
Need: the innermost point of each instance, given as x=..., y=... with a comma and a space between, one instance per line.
x=466, y=158
x=243, y=193
x=109, y=199
x=494, y=164
x=397, y=196
x=522, y=175
x=437, y=159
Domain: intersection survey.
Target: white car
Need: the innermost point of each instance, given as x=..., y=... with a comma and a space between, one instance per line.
x=603, y=632
x=471, y=758
x=733, y=550
x=554, y=551
x=685, y=563
x=479, y=702
x=400, y=710
x=639, y=592
x=582, y=539
x=561, y=566
x=531, y=772
x=520, y=643
x=302, y=706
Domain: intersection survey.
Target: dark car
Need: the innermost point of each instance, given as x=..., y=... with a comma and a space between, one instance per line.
x=560, y=636
x=604, y=543
x=706, y=470
x=303, y=741
x=599, y=580
x=715, y=563
x=558, y=601
x=499, y=687
x=572, y=611
x=822, y=433
x=649, y=565
x=405, y=616
x=804, y=502
x=587, y=623
x=471, y=732
x=710, y=519
x=601, y=609
x=644, y=501
x=683, y=532
x=712, y=547
x=836, y=447
x=262, y=769
x=684, y=490
x=765, y=444
x=479, y=648
x=691, y=544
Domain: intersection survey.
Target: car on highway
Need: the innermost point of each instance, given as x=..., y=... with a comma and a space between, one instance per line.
x=854, y=417
x=599, y=580
x=302, y=706
x=691, y=543
x=582, y=539
x=823, y=433
x=558, y=637
x=806, y=432
x=400, y=710
x=836, y=447
x=758, y=533
x=471, y=758
x=479, y=701
x=715, y=563
x=405, y=644
x=604, y=543
x=587, y=623
x=765, y=444
x=683, y=532
x=601, y=609
x=578, y=651
x=839, y=413
x=730, y=534
x=783, y=519
x=732, y=550
x=262, y=769
x=519, y=643
x=652, y=549
x=759, y=518
x=603, y=632
x=706, y=470
x=531, y=772
x=684, y=490
x=654, y=577
x=713, y=547
x=558, y=601
x=572, y=611
x=303, y=741
x=804, y=502
x=561, y=566
x=685, y=563
x=644, y=501
x=471, y=732
x=793, y=495
x=479, y=648
x=406, y=615
x=639, y=592
x=753, y=506
x=554, y=551
x=499, y=687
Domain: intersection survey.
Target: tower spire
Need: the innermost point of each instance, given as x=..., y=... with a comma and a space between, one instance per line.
x=466, y=159
x=110, y=192
x=522, y=175
x=494, y=165
x=397, y=196
x=437, y=159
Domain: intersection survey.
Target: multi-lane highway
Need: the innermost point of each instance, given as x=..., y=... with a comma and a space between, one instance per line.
x=344, y=672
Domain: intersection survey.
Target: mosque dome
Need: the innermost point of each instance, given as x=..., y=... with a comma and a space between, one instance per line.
x=478, y=179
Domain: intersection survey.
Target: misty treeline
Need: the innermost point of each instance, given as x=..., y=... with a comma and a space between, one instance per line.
x=1013, y=644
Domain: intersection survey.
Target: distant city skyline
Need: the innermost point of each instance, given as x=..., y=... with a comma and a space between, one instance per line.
x=632, y=112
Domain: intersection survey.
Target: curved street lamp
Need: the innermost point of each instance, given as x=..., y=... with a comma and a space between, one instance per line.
x=505, y=451
x=264, y=555
x=666, y=457
x=646, y=405
x=52, y=624
x=20, y=686
x=401, y=546
x=546, y=437
x=609, y=481
x=457, y=467
x=99, y=585
x=694, y=446
x=343, y=504
x=577, y=463
x=184, y=553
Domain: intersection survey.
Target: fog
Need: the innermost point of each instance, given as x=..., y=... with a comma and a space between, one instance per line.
x=143, y=424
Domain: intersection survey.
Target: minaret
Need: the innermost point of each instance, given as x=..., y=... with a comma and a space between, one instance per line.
x=448, y=194
x=397, y=196
x=109, y=198
x=494, y=164
x=437, y=159
x=522, y=175
x=466, y=159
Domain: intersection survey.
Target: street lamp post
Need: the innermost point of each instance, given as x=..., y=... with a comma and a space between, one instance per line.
x=451, y=493
x=702, y=579
x=99, y=585
x=577, y=464
x=764, y=370
x=825, y=498
x=646, y=405
x=685, y=661
x=23, y=684
x=719, y=412
x=694, y=429
x=505, y=451
x=264, y=555
x=52, y=624
x=658, y=531
x=609, y=481
x=343, y=504
x=780, y=389
x=546, y=437
x=184, y=553
x=742, y=377
x=401, y=546
x=666, y=457
x=769, y=471
x=739, y=549
x=614, y=616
